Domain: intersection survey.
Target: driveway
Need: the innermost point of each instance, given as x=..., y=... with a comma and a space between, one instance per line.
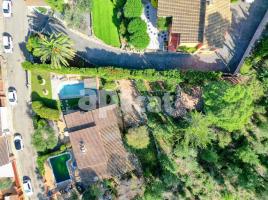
x=245, y=20
x=15, y=76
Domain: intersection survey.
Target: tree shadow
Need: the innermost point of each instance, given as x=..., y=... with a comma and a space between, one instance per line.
x=51, y=103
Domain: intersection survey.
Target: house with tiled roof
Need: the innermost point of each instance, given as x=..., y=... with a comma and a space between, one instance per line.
x=97, y=144
x=196, y=22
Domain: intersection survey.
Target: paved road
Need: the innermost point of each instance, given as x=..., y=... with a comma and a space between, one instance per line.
x=17, y=26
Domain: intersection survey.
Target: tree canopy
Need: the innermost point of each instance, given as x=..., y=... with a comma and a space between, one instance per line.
x=133, y=8
x=230, y=106
x=44, y=138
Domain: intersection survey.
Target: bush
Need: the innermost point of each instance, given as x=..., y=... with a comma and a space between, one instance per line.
x=137, y=25
x=139, y=40
x=163, y=23
x=44, y=138
x=32, y=43
x=133, y=8
x=44, y=112
x=111, y=73
x=57, y=5
x=138, y=138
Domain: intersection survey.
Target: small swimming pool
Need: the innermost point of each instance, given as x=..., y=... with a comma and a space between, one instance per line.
x=60, y=168
x=72, y=90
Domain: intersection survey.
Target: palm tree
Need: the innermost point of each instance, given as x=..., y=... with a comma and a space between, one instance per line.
x=57, y=49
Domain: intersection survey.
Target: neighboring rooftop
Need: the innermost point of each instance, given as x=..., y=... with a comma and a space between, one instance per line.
x=4, y=152
x=197, y=21
x=97, y=144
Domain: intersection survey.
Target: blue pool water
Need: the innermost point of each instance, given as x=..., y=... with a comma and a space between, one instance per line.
x=72, y=90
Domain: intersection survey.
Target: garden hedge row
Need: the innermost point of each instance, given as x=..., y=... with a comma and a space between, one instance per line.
x=110, y=73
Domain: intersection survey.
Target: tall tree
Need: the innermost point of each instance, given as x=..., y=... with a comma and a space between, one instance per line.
x=230, y=105
x=198, y=133
x=57, y=49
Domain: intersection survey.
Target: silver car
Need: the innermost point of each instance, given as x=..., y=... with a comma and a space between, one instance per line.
x=7, y=43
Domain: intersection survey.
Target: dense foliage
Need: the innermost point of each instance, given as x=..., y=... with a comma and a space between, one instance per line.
x=45, y=112
x=44, y=137
x=110, y=73
x=133, y=8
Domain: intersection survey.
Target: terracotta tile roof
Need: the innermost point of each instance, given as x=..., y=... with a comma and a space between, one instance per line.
x=4, y=153
x=187, y=18
x=98, y=149
x=197, y=21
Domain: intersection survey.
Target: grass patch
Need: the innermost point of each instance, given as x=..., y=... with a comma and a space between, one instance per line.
x=105, y=22
x=41, y=83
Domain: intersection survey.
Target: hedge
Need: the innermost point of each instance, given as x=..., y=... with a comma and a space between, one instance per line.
x=44, y=112
x=133, y=8
x=111, y=73
x=137, y=24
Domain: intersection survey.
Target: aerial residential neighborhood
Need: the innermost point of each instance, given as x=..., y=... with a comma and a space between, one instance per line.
x=134, y=100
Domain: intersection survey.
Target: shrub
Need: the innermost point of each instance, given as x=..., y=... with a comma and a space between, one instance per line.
x=111, y=73
x=137, y=25
x=163, y=23
x=138, y=138
x=57, y=5
x=32, y=43
x=44, y=138
x=139, y=40
x=133, y=8
x=44, y=112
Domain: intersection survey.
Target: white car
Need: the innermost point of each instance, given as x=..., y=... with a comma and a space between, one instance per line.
x=27, y=187
x=12, y=96
x=18, y=143
x=7, y=43
x=7, y=11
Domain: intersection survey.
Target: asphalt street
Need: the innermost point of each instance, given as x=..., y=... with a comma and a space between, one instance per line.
x=17, y=27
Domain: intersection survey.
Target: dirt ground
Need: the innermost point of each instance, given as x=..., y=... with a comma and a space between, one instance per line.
x=132, y=107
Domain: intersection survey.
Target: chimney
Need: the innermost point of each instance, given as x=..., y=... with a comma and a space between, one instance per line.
x=82, y=146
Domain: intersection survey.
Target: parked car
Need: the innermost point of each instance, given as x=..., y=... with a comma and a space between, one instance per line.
x=7, y=43
x=18, y=143
x=12, y=96
x=27, y=186
x=7, y=10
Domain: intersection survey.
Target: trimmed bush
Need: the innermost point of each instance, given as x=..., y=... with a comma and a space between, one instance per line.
x=138, y=138
x=44, y=112
x=111, y=73
x=137, y=25
x=139, y=40
x=133, y=8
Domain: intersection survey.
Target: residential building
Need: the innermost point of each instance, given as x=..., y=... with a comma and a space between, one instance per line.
x=97, y=144
x=201, y=23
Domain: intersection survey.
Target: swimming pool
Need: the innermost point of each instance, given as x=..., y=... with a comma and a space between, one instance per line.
x=60, y=168
x=72, y=90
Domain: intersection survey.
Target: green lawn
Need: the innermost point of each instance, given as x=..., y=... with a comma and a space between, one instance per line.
x=104, y=26
x=37, y=88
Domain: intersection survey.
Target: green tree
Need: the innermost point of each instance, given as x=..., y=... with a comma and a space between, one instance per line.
x=139, y=40
x=57, y=49
x=94, y=192
x=138, y=138
x=133, y=8
x=231, y=106
x=247, y=155
x=198, y=133
x=44, y=138
x=137, y=25
x=44, y=112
